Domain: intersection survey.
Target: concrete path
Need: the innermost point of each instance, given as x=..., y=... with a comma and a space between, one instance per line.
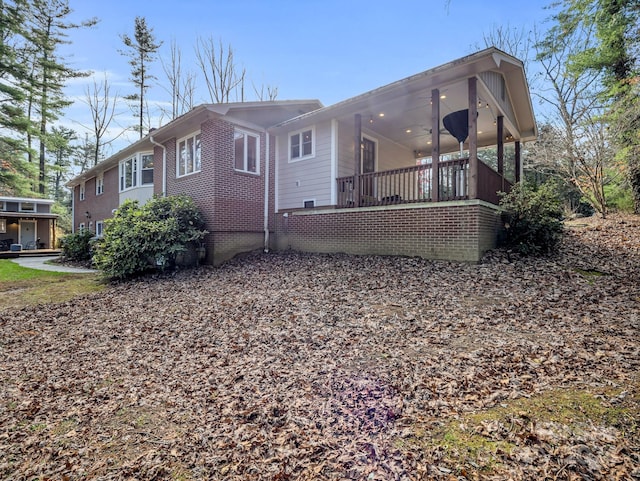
x=40, y=264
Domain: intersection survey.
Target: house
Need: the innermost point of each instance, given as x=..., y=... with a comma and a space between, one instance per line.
x=26, y=224
x=411, y=168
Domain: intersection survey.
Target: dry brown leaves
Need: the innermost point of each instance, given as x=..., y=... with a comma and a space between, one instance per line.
x=329, y=367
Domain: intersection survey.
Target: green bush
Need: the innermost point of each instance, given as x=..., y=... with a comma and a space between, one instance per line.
x=138, y=239
x=77, y=246
x=532, y=219
x=619, y=197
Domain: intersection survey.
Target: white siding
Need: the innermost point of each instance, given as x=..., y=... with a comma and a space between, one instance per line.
x=495, y=83
x=141, y=194
x=390, y=154
x=305, y=179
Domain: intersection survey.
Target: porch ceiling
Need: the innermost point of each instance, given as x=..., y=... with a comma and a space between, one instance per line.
x=401, y=111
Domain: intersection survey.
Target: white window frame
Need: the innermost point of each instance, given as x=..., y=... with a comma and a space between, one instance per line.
x=299, y=134
x=99, y=228
x=81, y=226
x=22, y=209
x=122, y=173
x=142, y=169
x=83, y=191
x=246, y=134
x=196, y=155
x=100, y=184
x=3, y=205
x=3, y=226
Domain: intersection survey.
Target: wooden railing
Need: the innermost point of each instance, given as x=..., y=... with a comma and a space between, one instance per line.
x=404, y=186
x=490, y=183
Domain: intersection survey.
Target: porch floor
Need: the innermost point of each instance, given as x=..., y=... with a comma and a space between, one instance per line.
x=29, y=253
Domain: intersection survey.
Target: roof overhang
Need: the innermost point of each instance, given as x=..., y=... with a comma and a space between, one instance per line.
x=401, y=111
x=28, y=215
x=256, y=115
x=27, y=199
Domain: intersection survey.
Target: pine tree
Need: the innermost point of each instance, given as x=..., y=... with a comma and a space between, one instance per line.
x=49, y=71
x=141, y=50
x=15, y=174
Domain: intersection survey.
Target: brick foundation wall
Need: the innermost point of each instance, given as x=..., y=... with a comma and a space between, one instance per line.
x=460, y=231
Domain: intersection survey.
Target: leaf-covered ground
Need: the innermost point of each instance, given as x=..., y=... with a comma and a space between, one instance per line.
x=331, y=367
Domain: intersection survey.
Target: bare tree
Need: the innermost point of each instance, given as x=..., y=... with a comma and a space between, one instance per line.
x=221, y=74
x=102, y=107
x=580, y=152
x=270, y=94
x=182, y=85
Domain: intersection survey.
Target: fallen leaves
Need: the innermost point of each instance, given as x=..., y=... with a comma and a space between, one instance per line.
x=299, y=367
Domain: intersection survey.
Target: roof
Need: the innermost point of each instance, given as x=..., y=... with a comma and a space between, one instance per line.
x=26, y=199
x=258, y=115
x=401, y=111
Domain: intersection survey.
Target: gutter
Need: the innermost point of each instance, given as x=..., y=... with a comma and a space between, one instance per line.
x=266, y=194
x=164, y=165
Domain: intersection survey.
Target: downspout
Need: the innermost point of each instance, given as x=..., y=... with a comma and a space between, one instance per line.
x=164, y=165
x=266, y=195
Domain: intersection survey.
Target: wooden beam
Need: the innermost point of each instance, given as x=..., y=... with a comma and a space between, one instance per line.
x=473, y=138
x=435, y=145
x=357, y=157
x=518, y=160
x=500, y=135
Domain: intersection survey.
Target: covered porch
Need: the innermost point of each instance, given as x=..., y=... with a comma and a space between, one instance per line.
x=459, y=143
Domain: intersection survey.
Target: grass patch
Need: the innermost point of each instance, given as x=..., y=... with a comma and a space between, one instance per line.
x=28, y=287
x=477, y=442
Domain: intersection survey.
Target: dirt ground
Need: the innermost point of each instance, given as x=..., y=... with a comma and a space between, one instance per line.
x=288, y=366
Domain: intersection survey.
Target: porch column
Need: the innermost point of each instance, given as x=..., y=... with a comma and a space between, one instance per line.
x=473, y=139
x=435, y=144
x=357, y=158
x=500, y=135
x=518, y=161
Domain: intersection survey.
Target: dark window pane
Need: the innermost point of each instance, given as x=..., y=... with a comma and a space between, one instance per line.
x=239, y=146
x=295, y=146
x=252, y=154
x=307, y=143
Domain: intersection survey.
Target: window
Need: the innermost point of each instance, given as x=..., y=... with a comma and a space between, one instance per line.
x=3, y=226
x=247, y=152
x=128, y=173
x=81, y=195
x=147, y=169
x=27, y=207
x=188, y=158
x=99, y=228
x=100, y=184
x=3, y=205
x=301, y=144
x=81, y=226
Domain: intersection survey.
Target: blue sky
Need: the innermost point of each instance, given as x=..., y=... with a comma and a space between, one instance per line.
x=328, y=50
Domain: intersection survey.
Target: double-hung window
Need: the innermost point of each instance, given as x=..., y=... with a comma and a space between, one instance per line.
x=99, y=228
x=247, y=152
x=147, y=169
x=301, y=144
x=81, y=195
x=188, y=158
x=129, y=173
x=100, y=184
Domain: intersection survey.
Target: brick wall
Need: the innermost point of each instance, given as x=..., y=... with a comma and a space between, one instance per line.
x=232, y=202
x=99, y=206
x=460, y=231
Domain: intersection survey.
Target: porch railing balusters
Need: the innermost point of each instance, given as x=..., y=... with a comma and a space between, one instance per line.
x=405, y=185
